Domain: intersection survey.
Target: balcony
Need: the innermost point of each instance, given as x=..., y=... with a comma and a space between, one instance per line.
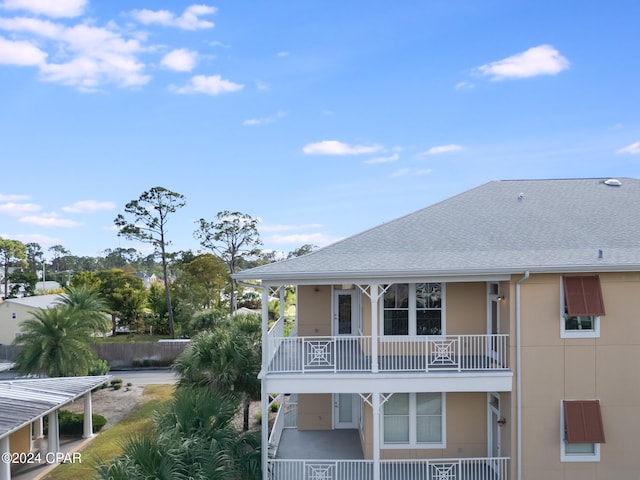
x=337, y=455
x=436, y=469
x=353, y=354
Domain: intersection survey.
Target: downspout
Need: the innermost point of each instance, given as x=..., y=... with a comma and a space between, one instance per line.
x=519, y=375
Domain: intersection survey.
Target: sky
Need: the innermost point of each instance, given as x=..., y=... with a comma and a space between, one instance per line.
x=320, y=119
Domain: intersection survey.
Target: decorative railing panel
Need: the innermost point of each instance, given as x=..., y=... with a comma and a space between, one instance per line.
x=436, y=469
x=405, y=354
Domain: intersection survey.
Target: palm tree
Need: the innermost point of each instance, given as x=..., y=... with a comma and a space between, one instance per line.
x=226, y=359
x=89, y=305
x=194, y=439
x=55, y=342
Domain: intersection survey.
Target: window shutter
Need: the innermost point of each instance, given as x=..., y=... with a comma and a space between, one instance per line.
x=583, y=421
x=583, y=296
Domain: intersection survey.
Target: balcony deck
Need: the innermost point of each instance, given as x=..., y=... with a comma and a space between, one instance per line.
x=320, y=444
x=340, y=354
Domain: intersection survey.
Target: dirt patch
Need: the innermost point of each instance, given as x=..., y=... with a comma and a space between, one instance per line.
x=114, y=405
x=111, y=404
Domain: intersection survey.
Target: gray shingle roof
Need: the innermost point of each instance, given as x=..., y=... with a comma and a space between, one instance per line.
x=22, y=401
x=499, y=227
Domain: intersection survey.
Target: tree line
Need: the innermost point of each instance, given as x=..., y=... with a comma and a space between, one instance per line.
x=191, y=288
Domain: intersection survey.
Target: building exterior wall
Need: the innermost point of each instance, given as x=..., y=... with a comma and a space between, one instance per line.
x=20, y=440
x=314, y=310
x=466, y=430
x=315, y=411
x=604, y=368
x=466, y=308
x=10, y=326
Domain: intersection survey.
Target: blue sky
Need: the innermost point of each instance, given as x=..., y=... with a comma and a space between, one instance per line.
x=319, y=118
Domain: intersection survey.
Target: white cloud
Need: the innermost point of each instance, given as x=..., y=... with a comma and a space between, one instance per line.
x=282, y=54
x=20, y=53
x=180, y=60
x=263, y=121
x=43, y=240
x=50, y=8
x=319, y=239
x=632, y=149
x=442, y=149
x=189, y=20
x=87, y=56
x=413, y=172
x=49, y=220
x=209, y=85
x=333, y=147
x=540, y=60
x=12, y=208
x=286, y=228
x=376, y=160
x=13, y=198
x=88, y=206
x=464, y=86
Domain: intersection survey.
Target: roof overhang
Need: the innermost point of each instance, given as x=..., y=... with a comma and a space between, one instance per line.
x=25, y=400
x=470, y=275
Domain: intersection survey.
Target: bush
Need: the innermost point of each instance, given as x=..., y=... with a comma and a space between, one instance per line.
x=73, y=423
x=99, y=367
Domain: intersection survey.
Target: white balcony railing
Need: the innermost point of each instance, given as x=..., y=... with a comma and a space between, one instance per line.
x=436, y=469
x=406, y=354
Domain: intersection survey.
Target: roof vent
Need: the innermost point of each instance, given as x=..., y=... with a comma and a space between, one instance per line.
x=613, y=182
x=521, y=197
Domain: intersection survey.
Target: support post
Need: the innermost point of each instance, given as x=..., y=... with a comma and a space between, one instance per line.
x=88, y=420
x=375, y=404
x=264, y=403
x=264, y=395
x=5, y=467
x=53, y=437
x=373, y=296
x=38, y=430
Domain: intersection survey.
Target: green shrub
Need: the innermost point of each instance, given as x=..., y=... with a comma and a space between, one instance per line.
x=99, y=367
x=116, y=381
x=73, y=423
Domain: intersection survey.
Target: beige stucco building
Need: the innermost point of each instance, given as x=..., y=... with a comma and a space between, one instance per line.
x=13, y=311
x=494, y=335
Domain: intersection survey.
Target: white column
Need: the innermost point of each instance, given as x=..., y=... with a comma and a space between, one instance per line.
x=264, y=403
x=373, y=296
x=282, y=292
x=53, y=438
x=375, y=404
x=38, y=429
x=88, y=421
x=5, y=467
x=265, y=329
x=264, y=396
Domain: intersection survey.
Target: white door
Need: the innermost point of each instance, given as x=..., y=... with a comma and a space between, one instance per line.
x=493, y=321
x=345, y=312
x=494, y=423
x=346, y=410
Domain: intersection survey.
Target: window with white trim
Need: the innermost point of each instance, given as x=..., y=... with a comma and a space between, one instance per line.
x=581, y=306
x=414, y=420
x=581, y=431
x=413, y=309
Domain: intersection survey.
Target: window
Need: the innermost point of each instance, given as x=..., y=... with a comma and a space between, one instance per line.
x=413, y=309
x=581, y=430
x=582, y=305
x=414, y=420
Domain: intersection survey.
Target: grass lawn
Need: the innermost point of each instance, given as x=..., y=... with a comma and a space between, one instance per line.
x=106, y=445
